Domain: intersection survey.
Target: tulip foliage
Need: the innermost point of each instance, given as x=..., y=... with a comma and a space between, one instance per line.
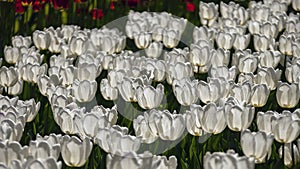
x=156, y=92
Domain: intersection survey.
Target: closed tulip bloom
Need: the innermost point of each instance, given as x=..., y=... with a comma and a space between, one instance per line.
x=142, y=40
x=260, y=13
x=220, y=57
x=157, y=69
x=41, y=39
x=285, y=127
x=148, y=97
x=8, y=76
x=296, y=5
x=261, y=42
x=259, y=95
x=287, y=95
x=241, y=92
x=291, y=154
x=67, y=75
x=213, y=90
x=87, y=71
x=154, y=50
x=208, y=13
x=269, y=58
x=127, y=88
x=11, y=54
x=212, y=118
x=171, y=38
x=16, y=89
x=230, y=159
x=74, y=151
x=241, y=42
x=185, y=91
x=84, y=91
x=239, y=116
x=254, y=27
x=225, y=40
x=76, y=45
x=257, y=145
x=19, y=41
x=179, y=71
x=223, y=71
x=264, y=121
x=268, y=76
x=42, y=149
x=247, y=63
x=107, y=91
x=11, y=130
x=285, y=44
x=32, y=72
x=203, y=33
x=200, y=57
x=168, y=126
x=12, y=151
x=157, y=33
x=142, y=129
x=269, y=29
x=192, y=121
x=115, y=139
x=292, y=72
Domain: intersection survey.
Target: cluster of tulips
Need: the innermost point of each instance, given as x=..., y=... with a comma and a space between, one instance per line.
x=66, y=62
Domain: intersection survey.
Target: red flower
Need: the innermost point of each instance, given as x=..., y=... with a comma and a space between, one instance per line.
x=190, y=6
x=97, y=13
x=79, y=1
x=112, y=5
x=19, y=7
x=26, y=2
x=58, y=4
x=37, y=5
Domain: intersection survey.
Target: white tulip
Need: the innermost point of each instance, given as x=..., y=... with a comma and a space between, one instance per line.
x=84, y=91
x=185, y=91
x=154, y=50
x=148, y=97
x=259, y=95
x=287, y=95
x=8, y=76
x=257, y=145
x=41, y=39
x=74, y=151
x=168, y=126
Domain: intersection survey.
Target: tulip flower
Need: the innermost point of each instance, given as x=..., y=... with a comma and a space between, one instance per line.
x=254, y=27
x=12, y=151
x=11, y=54
x=259, y=95
x=116, y=139
x=285, y=44
x=52, y=139
x=241, y=42
x=260, y=13
x=74, y=151
x=264, y=121
x=192, y=121
x=8, y=76
x=41, y=39
x=292, y=72
x=185, y=91
x=213, y=90
x=76, y=45
x=32, y=72
x=296, y=5
x=230, y=159
x=107, y=91
x=200, y=57
x=179, y=71
x=269, y=29
x=225, y=40
x=16, y=89
x=148, y=97
x=11, y=130
x=168, y=126
x=157, y=69
x=203, y=33
x=257, y=145
x=171, y=38
x=291, y=154
x=241, y=92
x=268, y=76
x=223, y=71
x=212, y=118
x=67, y=75
x=142, y=40
x=208, y=13
x=84, y=91
x=32, y=108
x=287, y=95
x=43, y=150
x=285, y=127
x=269, y=58
x=220, y=57
x=87, y=71
x=143, y=130
x=239, y=116
x=154, y=50
x=19, y=41
x=262, y=42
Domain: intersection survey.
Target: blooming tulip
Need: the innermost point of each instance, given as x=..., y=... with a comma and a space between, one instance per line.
x=185, y=91
x=148, y=97
x=287, y=95
x=257, y=145
x=84, y=91
x=259, y=95
x=74, y=151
